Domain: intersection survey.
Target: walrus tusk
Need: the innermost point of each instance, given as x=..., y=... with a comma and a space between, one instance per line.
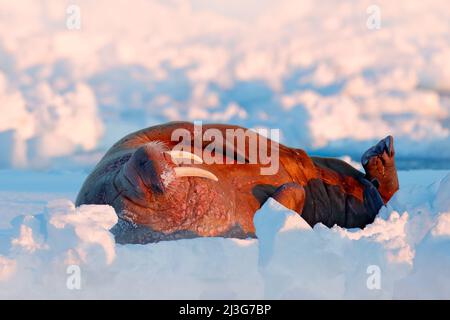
x=194, y=172
x=183, y=155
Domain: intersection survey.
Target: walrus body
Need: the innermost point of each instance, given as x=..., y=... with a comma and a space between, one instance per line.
x=156, y=198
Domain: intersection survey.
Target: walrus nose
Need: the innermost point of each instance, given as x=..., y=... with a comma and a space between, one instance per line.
x=145, y=168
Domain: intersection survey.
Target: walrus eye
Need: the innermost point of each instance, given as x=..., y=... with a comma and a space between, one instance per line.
x=194, y=172
x=178, y=155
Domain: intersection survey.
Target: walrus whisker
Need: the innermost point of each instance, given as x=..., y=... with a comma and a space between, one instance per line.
x=194, y=172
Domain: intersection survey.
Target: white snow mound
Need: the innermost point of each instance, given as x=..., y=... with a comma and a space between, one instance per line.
x=391, y=258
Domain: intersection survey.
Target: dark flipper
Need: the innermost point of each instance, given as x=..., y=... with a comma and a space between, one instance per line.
x=291, y=195
x=330, y=205
x=379, y=163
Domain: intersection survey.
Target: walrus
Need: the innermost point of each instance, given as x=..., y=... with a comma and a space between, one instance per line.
x=159, y=195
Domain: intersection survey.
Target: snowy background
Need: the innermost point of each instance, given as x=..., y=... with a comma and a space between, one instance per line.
x=315, y=70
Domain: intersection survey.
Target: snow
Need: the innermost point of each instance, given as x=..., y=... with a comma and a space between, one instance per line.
x=442, y=228
x=317, y=73
x=408, y=244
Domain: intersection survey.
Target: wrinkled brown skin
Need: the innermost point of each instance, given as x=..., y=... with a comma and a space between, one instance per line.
x=128, y=178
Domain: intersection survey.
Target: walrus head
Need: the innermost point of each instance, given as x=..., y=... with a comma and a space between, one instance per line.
x=159, y=189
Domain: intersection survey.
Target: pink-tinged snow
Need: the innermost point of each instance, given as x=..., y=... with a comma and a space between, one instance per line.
x=316, y=71
x=409, y=244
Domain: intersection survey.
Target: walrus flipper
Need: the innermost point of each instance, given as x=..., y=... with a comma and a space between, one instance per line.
x=291, y=195
x=379, y=164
